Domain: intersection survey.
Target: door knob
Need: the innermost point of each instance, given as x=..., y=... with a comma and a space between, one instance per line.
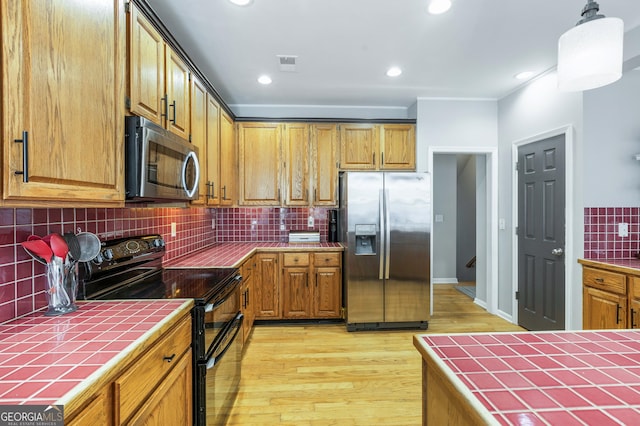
x=557, y=252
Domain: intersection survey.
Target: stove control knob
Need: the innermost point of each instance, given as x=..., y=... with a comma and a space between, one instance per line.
x=159, y=242
x=108, y=254
x=133, y=246
x=98, y=259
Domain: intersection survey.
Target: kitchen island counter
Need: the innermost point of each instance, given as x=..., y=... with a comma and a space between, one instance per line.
x=231, y=255
x=538, y=378
x=61, y=360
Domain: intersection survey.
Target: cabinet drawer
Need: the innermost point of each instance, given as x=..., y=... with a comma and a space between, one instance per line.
x=605, y=280
x=247, y=269
x=634, y=282
x=135, y=384
x=326, y=259
x=295, y=259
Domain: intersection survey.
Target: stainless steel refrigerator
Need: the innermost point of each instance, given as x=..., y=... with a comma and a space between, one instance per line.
x=385, y=226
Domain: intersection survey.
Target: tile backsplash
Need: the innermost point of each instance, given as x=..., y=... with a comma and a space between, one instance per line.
x=22, y=280
x=601, y=239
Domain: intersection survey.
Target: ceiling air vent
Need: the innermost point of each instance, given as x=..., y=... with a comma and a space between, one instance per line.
x=287, y=63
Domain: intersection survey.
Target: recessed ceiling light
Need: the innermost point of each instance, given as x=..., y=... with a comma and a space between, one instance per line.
x=437, y=7
x=524, y=75
x=394, y=72
x=264, y=79
x=241, y=2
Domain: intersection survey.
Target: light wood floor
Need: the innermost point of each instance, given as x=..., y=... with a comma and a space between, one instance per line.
x=324, y=375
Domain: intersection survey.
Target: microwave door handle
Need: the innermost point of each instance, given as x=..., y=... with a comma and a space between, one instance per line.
x=190, y=191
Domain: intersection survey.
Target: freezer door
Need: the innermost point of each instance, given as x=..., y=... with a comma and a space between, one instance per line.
x=408, y=209
x=364, y=296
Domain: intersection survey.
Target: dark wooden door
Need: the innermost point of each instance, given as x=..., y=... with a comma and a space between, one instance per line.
x=541, y=234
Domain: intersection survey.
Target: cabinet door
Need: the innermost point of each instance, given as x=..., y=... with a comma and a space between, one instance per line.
x=603, y=310
x=171, y=402
x=145, y=53
x=324, y=146
x=327, y=292
x=97, y=412
x=199, y=134
x=296, y=295
x=296, y=164
x=259, y=168
x=228, y=160
x=397, y=147
x=359, y=145
x=267, y=286
x=213, y=152
x=177, y=81
x=634, y=314
x=62, y=99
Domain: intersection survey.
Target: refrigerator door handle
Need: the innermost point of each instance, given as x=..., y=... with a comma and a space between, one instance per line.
x=382, y=234
x=387, y=236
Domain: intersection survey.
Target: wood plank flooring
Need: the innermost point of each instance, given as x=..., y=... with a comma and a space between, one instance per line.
x=323, y=375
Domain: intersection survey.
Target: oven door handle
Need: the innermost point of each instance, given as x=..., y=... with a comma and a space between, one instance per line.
x=214, y=360
x=227, y=292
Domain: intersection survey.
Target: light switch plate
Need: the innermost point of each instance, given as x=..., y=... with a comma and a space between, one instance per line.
x=310, y=222
x=623, y=229
x=173, y=229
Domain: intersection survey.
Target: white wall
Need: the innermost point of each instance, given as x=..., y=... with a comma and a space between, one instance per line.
x=611, y=140
x=466, y=217
x=454, y=123
x=322, y=111
x=445, y=170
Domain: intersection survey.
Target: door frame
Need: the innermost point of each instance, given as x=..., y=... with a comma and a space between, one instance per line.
x=491, y=249
x=569, y=248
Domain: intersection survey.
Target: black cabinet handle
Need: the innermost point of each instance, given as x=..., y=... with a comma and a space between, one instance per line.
x=633, y=314
x=165, y=101
x=173, y=105
x=618, y=313
x=224, y=192
x=169, y=358
x=600, y=280
x=25, y=156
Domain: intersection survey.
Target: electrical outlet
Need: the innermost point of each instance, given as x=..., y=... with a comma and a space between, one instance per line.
x=310, y=222
x=623, y=229
x=213, y=224
x=173, y=229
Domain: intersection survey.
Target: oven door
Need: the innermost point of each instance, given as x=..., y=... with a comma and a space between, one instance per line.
x=223, y=372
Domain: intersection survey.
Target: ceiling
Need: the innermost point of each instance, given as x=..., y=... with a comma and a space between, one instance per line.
x=344, y=47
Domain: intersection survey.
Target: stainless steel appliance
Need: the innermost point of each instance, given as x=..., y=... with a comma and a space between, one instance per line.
x=385, y=226
x=131, y=268
x=158, y=164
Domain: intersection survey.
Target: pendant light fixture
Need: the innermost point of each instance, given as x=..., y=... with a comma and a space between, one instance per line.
x=590, y=54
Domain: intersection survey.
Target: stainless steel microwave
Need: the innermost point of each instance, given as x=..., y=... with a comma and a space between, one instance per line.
x=159, y=166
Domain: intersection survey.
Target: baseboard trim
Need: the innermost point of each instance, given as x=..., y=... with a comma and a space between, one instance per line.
x=444, y=281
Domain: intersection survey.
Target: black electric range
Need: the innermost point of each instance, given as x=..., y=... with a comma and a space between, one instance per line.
x=131, y=268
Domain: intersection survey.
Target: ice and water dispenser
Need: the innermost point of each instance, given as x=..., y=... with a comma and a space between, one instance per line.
x=365, y=239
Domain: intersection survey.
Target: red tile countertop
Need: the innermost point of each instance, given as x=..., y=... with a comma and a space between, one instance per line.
x=544, y=378
x=51, y=360
x=231, y=255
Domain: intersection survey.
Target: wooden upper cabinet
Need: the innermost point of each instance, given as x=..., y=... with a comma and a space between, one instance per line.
x=177, y=80
x=397, y=147
x=324, y=147
x=259, y=163
x=377, y=147
x=228, y=161
x=359, y=145
x=296, y=152
x=145, y=54
x=158, y=78
x=213, y=188
x=199, y=134
x=62, y=102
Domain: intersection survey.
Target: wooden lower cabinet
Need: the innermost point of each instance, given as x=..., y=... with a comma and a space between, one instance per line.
x=307, y=286
x=154, y=389
x=267, y=288
x=611, y=296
